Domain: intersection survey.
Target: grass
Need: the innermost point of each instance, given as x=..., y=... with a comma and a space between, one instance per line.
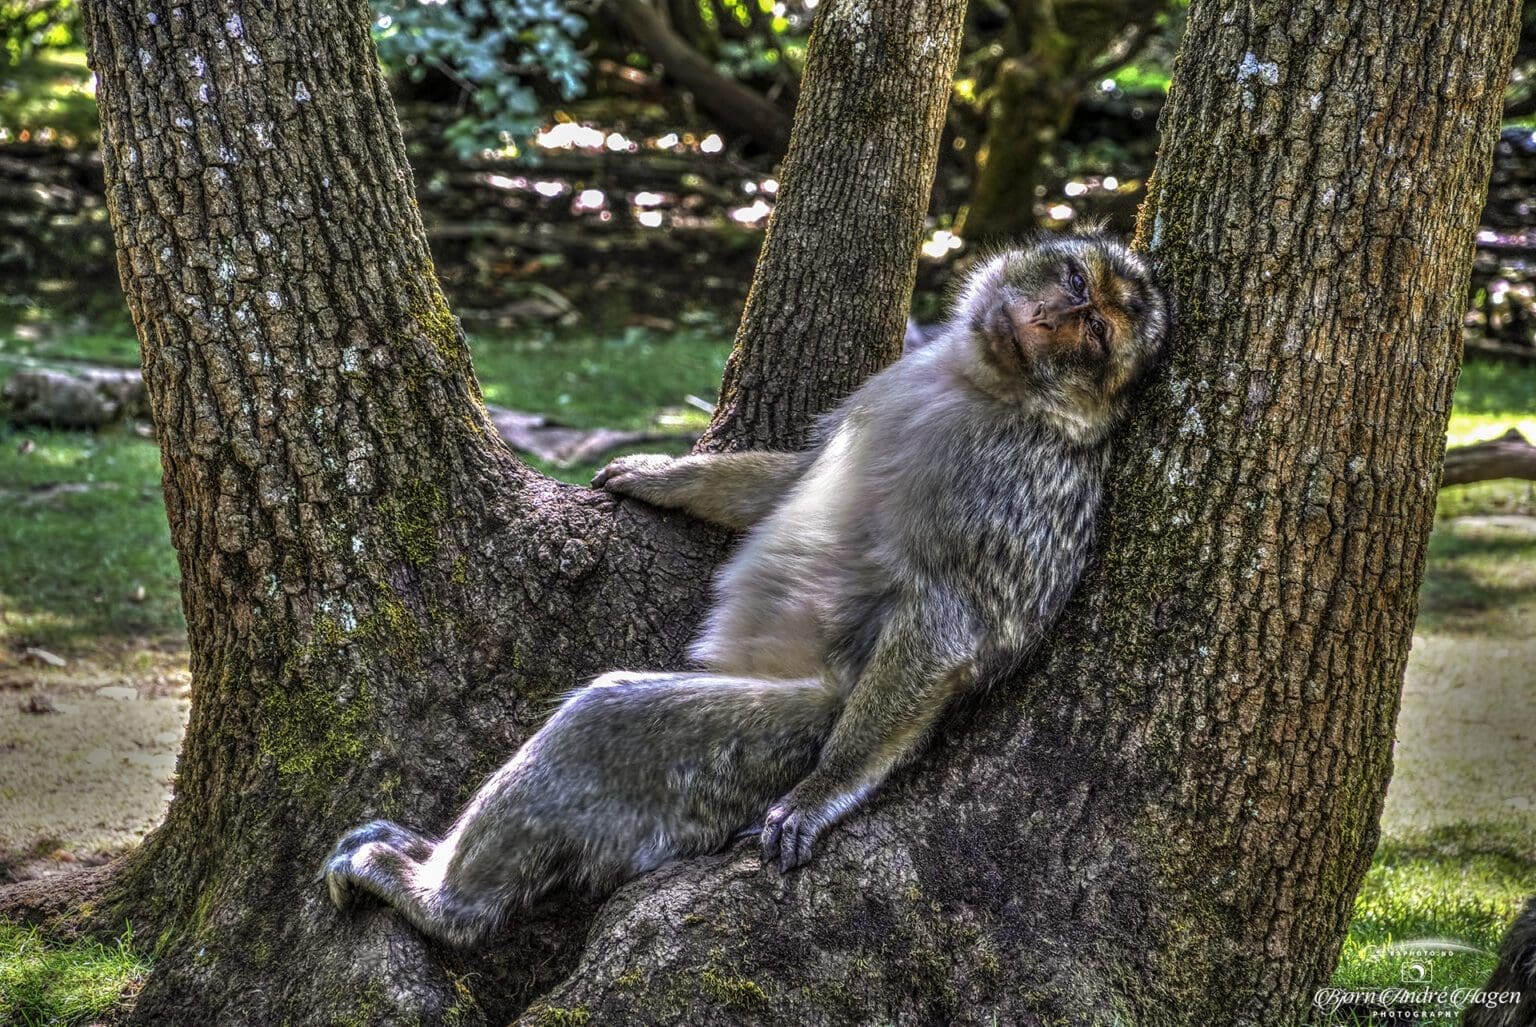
x=82, y=530
x=610, y=381
x=63, y=984
x=1433, y=909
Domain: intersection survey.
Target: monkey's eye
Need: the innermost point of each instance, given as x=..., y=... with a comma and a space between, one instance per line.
x=1079, y=287
x=1097, y=328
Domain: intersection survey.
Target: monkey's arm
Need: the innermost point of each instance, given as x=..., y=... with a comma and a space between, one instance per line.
x=733, y=489
x=909, y=682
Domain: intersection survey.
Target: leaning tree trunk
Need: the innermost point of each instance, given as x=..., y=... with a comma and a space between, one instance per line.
x=829, y=299
x=382, y=603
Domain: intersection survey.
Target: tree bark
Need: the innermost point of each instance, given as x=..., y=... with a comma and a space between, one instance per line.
x=381, y=602
x=828, y=304
x=1162, y=820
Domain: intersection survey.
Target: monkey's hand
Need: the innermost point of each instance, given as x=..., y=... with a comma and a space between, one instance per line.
x=639, y=475
x=792, y=826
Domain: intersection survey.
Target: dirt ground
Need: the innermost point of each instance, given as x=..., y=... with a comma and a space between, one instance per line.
x=88, y=750
x=87, y=756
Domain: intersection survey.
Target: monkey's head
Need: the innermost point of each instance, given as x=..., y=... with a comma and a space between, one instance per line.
x=1067, y=325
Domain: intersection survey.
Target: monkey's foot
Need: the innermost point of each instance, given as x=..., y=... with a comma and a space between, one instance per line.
x=342, y=870
x=788, y=832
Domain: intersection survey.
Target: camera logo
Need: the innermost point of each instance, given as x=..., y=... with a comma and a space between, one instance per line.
x=1419, y=971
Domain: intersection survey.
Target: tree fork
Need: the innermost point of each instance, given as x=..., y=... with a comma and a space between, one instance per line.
x=381, y=602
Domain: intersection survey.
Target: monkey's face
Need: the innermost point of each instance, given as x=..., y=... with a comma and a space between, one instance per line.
x=1074, y=319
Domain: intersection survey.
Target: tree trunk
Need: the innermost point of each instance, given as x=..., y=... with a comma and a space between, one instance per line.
x=1053, y=49
x=1163, y=820
x=1166, y=819
x=828, y=304
x=381, y=602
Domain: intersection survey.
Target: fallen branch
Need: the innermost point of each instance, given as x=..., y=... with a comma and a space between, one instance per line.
x=1508, y=456
x=564, y=446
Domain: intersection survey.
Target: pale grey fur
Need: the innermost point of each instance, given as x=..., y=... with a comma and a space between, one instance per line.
x=919, y=550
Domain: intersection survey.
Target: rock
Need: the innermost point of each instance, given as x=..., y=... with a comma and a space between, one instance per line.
x=36, y=655
x=38, y=703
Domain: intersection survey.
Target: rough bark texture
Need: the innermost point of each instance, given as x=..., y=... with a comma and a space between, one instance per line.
x=829, y=299
x=1162, y=821
x=381, y=601
x=1053, y=53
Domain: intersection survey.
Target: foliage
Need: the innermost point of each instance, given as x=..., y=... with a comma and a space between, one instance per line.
x=62, y=984
x=30, y=26
x=492, y=49
x=47, y=98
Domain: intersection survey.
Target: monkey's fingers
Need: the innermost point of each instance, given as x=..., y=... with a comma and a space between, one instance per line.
x=788, y=834
x=627, y=469
x=773, y=830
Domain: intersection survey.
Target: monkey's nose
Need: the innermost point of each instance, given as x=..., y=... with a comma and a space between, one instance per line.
x=1051, y=316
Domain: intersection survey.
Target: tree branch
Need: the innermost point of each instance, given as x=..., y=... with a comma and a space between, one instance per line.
x=722, y=96
x=1508, y=456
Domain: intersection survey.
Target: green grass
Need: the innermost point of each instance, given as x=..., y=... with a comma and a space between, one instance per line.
x=82, y=529
x=1480, y=579
x=1460, y=885
x=608, y=381
x=61, y=984
x=28, y=346
x=1492, y=397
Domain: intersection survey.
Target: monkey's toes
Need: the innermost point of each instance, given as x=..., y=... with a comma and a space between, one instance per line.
x=337, y=874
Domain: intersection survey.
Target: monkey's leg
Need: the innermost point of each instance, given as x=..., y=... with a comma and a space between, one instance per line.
x=732, y=489
x=905, y=688
x=631, y=771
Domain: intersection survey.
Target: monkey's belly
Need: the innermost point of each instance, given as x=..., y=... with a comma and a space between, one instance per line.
x=759, y=638
x=771, y=616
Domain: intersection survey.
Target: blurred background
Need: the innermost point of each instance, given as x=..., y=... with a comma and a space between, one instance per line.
x=595, y=177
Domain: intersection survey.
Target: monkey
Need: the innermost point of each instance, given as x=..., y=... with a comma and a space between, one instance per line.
x=1509, y=997
x=916, y=552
